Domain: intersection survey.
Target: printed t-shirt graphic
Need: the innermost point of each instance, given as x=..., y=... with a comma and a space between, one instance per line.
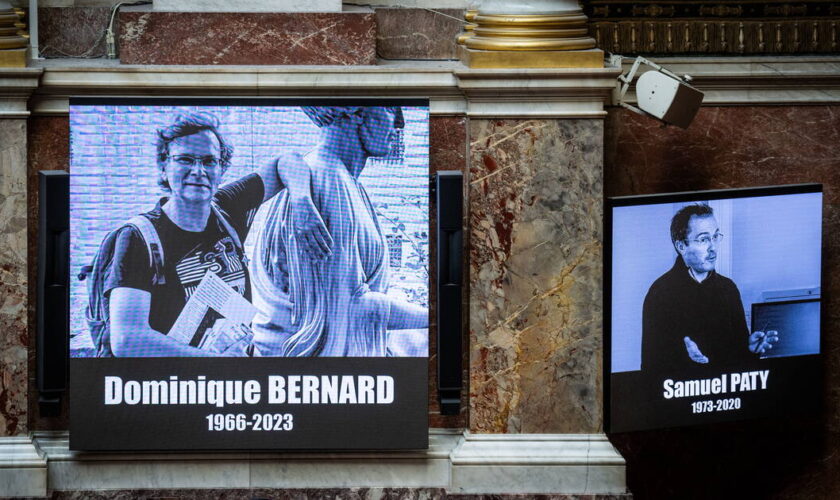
x=222, y=260
x=188, y=255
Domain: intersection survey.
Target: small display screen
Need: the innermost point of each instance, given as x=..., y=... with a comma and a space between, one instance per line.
x=801, y=317
x=712, y=306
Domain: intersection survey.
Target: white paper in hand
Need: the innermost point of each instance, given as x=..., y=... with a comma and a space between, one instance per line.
x=215, y=317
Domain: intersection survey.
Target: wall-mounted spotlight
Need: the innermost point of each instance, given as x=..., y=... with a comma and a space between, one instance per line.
x=661, y=94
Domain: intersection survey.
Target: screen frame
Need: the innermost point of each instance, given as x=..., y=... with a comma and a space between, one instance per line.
x=660, y=198
x=417, y=440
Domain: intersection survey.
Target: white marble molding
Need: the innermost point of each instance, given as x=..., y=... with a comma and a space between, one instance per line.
x=455, y=462
x=451, y=88
x=23, y=471
x=754, y=80
x=16, y=85
x=537, y=463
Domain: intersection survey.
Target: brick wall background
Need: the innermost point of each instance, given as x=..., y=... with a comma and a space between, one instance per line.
x=114, y=176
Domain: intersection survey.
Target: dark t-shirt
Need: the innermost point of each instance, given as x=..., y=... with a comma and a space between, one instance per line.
x=188, y=255
x=710, y=313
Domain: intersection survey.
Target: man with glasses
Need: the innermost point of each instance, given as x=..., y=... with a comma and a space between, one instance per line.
x=200, y=228
x=693, y=316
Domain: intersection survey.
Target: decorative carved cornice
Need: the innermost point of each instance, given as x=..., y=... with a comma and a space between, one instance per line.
x=718, y=37
x=691, y=9
x=718, y=27
x=16, y=86
x=451, y=88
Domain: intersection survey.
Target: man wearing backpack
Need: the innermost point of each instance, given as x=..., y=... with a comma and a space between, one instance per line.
x=146, y=271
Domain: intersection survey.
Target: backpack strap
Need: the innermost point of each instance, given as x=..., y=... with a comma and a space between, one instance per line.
x=153, y=246
x=223, y=220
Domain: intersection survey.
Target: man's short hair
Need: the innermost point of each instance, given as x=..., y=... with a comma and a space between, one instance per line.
x=184, y=125
x=679, y=223
x=324, y=116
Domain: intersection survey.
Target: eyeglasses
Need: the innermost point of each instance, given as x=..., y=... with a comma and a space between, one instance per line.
x=191, y=161
x=707, y=240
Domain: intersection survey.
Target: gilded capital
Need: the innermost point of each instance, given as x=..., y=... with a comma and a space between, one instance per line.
x=13, y=40
x=540, y=33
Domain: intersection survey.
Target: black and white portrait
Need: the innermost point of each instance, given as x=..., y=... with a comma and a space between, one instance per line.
x=223, y=230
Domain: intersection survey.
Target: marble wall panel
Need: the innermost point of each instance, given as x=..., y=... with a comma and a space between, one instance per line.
x=48, y=145
x=734, y=147
x=535, y=275
x=346, y=38
x=14, y=337
x=72, y=31
x=447, y=151
x=417, y=33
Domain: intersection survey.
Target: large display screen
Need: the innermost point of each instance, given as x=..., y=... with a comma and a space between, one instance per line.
x=249, y=274
x=713, y=306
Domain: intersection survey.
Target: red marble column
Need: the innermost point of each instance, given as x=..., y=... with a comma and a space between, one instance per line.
x=535, y=275
x=48, y=146
x=14, y=336
x=447, y=151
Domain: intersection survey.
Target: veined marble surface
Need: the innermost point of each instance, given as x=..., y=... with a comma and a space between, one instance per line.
x=447, y=151
x=403, y=33
x=248, y=6
x=455, y=464
x=48, y=147
x=535, y=275
x=262, y=38
x=13, y=279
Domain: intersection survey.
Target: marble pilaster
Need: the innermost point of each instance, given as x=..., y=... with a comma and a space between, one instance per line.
x=447, y=151
x=22, y=469
x=535, y=275
x=48, y=148
x=13, y=279
x=15, y=87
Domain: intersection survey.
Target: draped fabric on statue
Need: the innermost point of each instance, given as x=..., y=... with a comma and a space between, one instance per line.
x=335, y=307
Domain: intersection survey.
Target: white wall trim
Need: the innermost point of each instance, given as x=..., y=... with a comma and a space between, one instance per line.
x=16, y=85
x=455, y=461
x=451, y=88
x=537, y=463
x=766, y=80
x=23, y=471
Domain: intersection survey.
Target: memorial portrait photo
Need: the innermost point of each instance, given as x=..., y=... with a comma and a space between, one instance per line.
x=252, y=230
x=702, y=286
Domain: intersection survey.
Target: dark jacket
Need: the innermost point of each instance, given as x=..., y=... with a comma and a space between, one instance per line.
x=710, y=313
